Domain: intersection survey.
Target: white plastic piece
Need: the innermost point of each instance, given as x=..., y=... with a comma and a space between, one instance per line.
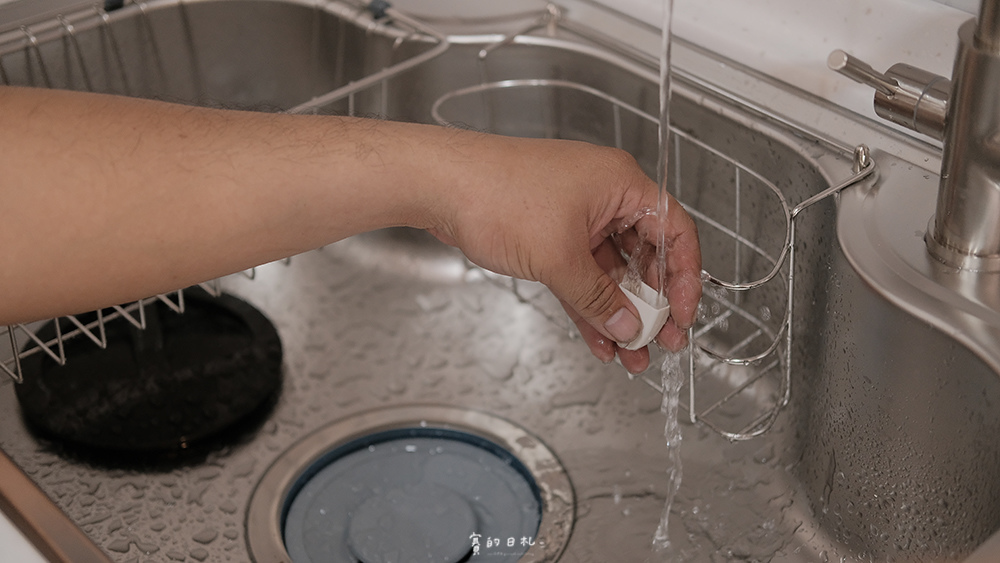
x=653, y=311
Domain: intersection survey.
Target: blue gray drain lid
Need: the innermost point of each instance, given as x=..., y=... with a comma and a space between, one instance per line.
x=421, y=499
x=387, y=526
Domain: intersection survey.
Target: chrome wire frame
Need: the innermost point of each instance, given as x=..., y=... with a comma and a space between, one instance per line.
x=702, y=358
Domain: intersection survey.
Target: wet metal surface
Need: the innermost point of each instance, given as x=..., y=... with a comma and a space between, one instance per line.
x=394, y=318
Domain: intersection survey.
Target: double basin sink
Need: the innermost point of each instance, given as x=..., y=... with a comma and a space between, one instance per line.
x=886, y=450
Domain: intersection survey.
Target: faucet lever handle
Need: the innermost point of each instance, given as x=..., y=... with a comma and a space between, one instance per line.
x=860, y=71
x=904, y=95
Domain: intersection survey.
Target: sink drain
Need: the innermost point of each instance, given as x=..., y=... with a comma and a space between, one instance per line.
x=417, y=483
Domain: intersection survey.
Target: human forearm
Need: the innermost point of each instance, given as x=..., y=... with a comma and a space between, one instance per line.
x=108, y=199
x=120, y=198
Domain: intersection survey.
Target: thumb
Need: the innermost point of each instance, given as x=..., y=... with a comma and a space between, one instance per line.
x=598, y=300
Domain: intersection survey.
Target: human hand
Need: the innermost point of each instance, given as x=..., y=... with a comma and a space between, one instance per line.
x=545, y=211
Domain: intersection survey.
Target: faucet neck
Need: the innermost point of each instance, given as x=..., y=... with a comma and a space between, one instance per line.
x=966, y=231
x=988, y=26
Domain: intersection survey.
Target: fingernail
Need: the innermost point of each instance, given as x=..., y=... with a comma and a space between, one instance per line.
x=623, y=326
x=679, y=344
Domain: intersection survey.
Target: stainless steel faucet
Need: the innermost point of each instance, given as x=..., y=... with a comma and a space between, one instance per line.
x=965, y=114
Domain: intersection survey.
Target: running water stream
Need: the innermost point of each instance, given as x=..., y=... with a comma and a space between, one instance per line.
x=671, y=372
x=663, y=162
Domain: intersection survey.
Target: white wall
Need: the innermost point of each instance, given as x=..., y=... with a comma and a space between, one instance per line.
x=970, y=6
x=791, y=39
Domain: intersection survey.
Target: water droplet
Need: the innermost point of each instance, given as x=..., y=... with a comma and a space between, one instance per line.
x=765, y=313
x=206, y=536
x=119, y=546
x=146, y=547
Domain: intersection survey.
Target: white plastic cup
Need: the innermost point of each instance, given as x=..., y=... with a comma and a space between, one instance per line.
x=653, y=311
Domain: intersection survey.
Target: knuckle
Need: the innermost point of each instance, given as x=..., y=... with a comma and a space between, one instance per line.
x=597, y=298
x=618, y=159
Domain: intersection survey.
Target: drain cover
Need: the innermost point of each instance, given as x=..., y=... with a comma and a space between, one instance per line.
x=413, y=483
x=424, y=519
x=419, y=494
x=185, y=379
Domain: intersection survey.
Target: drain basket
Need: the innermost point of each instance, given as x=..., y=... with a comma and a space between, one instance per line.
x=738, y=363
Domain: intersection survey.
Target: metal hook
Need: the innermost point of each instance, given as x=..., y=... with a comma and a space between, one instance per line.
x=16, y=373
x=33, y=46
x=549, y=19
x=106, y=23
x=71, y=34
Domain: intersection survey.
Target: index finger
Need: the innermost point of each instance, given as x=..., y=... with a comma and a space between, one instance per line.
x=683, y=260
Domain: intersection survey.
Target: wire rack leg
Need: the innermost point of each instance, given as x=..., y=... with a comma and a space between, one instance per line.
x=101, y=338
x=126, y=313
x=14, y=373
x=58, y=355
x=175, y=306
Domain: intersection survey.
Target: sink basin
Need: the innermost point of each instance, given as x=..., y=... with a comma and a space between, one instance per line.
x=884, y=453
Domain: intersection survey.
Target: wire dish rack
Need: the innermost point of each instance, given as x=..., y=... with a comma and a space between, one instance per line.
x=181, y=51
x=738, y=361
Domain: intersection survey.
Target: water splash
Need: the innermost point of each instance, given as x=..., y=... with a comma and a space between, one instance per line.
x=673, y=377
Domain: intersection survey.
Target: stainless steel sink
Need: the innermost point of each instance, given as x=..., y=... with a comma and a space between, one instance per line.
x=886, y=451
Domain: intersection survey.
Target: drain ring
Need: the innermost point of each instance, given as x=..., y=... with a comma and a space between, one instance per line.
x=267, y=505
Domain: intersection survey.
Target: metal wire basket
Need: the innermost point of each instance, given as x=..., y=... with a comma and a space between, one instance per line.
x=738, y=362
x=179, y=51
